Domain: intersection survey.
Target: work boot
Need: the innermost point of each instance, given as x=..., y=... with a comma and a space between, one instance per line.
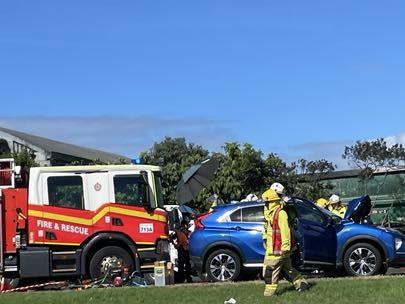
x=270, y=290
x=303, y=286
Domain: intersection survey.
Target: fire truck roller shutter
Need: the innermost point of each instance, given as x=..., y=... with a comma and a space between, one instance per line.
x=103, y=240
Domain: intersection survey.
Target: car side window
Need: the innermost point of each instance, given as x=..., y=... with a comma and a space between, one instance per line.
x=236, y=216
x=309, y=213
x=253, y=214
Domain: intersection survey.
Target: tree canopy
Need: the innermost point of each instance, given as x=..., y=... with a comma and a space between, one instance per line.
x=243, y=170
x=372, y=156
x=174, y=155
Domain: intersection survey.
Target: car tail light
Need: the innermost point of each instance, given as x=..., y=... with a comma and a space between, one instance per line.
x=198, y=221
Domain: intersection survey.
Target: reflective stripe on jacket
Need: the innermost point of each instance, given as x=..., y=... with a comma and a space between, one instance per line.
x=276, y=237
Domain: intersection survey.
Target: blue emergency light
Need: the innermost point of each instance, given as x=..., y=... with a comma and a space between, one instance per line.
x=136, y=161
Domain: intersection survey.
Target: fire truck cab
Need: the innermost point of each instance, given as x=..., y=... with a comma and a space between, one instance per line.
x=80, y=221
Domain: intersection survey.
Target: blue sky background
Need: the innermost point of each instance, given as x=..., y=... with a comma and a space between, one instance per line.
x=300, y=78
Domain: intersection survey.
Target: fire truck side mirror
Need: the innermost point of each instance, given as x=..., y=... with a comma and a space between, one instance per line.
x=144, y=175
x=17, y=170
x=146, y=203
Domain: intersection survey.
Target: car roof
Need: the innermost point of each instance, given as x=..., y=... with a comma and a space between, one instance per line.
x=238, y=205
x=250, y=203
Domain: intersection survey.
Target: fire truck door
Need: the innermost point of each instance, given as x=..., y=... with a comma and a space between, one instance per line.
x=65, y=219
x=98, y=188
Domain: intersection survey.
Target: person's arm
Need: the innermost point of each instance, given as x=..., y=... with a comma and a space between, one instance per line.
x=285, y=231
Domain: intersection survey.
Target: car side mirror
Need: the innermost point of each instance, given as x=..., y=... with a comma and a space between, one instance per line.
x=146, y=204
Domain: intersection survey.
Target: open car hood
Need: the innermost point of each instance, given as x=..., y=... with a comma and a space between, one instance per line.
x=358, y=208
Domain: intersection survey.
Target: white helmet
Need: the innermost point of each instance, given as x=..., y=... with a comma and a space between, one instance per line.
x=334, y=199
x=278, y=188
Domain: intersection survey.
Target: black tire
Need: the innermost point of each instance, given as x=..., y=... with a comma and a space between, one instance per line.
x=384, y=269
x=96, y=262
x=227, y=266
x=362, y=259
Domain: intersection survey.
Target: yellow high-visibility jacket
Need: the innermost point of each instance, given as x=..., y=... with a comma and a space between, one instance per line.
x=271, y=204
x=339, y=210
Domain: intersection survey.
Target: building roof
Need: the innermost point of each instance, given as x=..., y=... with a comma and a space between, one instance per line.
x=356, y=172
x=55, y=146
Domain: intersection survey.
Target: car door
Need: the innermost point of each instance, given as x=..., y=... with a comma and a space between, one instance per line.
x=316, y=234
x=246, y=226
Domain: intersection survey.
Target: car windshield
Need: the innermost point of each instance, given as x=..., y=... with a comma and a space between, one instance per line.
x=336, y=219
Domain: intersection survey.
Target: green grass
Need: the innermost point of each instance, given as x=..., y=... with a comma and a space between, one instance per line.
x=374, y=290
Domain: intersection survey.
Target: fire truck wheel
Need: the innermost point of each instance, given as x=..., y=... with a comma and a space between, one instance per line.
x=108, y=260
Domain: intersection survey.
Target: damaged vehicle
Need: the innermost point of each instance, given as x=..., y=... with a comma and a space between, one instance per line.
x=227, y=242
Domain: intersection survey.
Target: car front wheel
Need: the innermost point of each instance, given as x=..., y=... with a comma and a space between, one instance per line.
x=223, y=265
x=362, y=259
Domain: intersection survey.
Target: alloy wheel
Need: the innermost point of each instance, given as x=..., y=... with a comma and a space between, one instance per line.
x=223, y=267
x=362, y=261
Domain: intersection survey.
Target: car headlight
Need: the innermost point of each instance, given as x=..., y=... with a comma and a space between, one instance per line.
x=398, y=244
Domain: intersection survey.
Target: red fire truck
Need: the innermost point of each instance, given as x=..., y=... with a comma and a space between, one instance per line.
x=80, y=221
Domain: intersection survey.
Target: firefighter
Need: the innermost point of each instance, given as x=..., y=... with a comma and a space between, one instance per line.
x=336, y=206
x=322, y=202
x=183, y=253
x=277, y=240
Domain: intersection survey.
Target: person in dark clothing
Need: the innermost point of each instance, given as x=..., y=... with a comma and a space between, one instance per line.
x=182, y=246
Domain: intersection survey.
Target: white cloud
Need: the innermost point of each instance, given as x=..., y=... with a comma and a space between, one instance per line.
x=123, y=135
x=395, y=139
x=332, y=150
x=329, y=150
x=131, y=135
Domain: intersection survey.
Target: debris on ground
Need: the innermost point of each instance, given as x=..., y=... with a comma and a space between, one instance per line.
x=134, y=280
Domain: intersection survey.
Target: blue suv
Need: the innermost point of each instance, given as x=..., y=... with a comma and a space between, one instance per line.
x=229, y=240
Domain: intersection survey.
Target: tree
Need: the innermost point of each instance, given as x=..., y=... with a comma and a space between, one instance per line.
x=175, y=156
x=308, y=183
x=277, y=170
x=4, y=148
x=25, y=158
x=370, y=156
x=241, y=172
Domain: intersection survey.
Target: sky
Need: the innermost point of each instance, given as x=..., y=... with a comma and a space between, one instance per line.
x=299, y=78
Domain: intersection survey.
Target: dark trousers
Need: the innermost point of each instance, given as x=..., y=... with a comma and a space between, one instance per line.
x=184, y=265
